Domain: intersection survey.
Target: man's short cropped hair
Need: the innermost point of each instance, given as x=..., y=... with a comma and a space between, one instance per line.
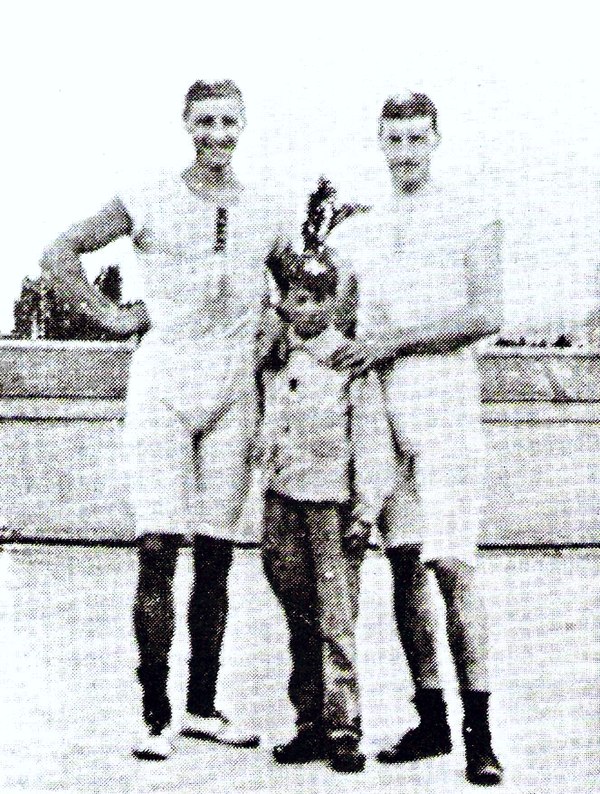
x=408, y=106
x=204, y=90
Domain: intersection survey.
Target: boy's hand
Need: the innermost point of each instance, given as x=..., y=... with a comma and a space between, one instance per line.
x=356, y=536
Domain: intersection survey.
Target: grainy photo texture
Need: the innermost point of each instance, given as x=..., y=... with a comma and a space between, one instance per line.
x=299, y=387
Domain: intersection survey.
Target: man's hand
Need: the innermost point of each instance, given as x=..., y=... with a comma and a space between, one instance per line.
x=356, y=536
x=357, y=357
x=125, y=321
x=62, y=270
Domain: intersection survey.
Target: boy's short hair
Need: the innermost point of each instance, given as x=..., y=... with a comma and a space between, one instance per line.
x=315, y=273
x=408, y=106
x=202, y=89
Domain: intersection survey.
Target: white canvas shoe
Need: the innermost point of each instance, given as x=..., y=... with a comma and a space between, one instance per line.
x=217, y=728
x=153, y=746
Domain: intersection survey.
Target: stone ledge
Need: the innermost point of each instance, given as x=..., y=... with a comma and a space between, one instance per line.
x=539, y=412
x=538, y=374
x=47, y=408
x=62, y=471
x=99, y=370
x=44, y=368
x=110, y=409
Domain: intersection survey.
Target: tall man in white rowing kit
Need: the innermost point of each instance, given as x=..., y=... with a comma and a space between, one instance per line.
x=201, y=240
x=427, y=260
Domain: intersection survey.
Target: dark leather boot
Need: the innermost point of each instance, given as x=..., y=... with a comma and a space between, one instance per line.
x=308, y=745
x=155, y=700
x=483, y=767
x=344, y=755
x=430, y=738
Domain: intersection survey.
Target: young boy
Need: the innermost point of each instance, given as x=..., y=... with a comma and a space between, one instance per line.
x=325, y=443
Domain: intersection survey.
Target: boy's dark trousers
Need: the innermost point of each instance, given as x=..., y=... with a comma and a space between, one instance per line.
x=317, y=583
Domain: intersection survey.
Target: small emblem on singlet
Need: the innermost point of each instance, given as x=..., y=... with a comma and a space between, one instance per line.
x=220, y=229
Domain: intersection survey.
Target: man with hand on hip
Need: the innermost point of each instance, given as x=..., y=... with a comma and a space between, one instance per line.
x=201, y=239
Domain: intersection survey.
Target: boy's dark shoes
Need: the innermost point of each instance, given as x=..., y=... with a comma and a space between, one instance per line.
x=483, y=768
x=344, y=755
x=430, y=738
x=306, y=746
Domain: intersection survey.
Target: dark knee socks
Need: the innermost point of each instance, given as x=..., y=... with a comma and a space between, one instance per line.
x=156, y=707
x=207, y=618
x=154, y=625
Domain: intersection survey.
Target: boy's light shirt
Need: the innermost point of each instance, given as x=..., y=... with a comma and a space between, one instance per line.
x=317, y=423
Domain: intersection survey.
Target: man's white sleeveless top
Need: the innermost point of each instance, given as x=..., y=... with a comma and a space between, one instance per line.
x=409, y=257
x=193, y=290
x=202, y=271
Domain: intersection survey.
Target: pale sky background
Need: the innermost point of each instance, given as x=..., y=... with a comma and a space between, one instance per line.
x=92, y=96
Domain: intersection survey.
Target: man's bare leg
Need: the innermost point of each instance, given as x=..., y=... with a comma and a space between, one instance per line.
x=415, y=616
x=154, y=624
x=417, y=628
x=466, y=622
x=467, y=626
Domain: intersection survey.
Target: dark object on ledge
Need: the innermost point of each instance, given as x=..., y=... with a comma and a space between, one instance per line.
x=562, y=341
x=40, y=313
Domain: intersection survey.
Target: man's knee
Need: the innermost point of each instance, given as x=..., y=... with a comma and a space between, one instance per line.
x=405, y=562
x=212, y=553
x=157, y=558
x=413, y=597
x=453, y=575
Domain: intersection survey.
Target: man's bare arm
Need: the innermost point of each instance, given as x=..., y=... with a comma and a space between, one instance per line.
x=481, y=315
x=61, y=266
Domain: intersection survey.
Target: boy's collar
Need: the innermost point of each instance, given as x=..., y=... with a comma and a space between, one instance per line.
x=320, y=346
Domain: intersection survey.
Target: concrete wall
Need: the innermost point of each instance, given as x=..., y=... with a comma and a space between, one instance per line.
x=62, y=469
x=61, y=418
x=542, y=480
